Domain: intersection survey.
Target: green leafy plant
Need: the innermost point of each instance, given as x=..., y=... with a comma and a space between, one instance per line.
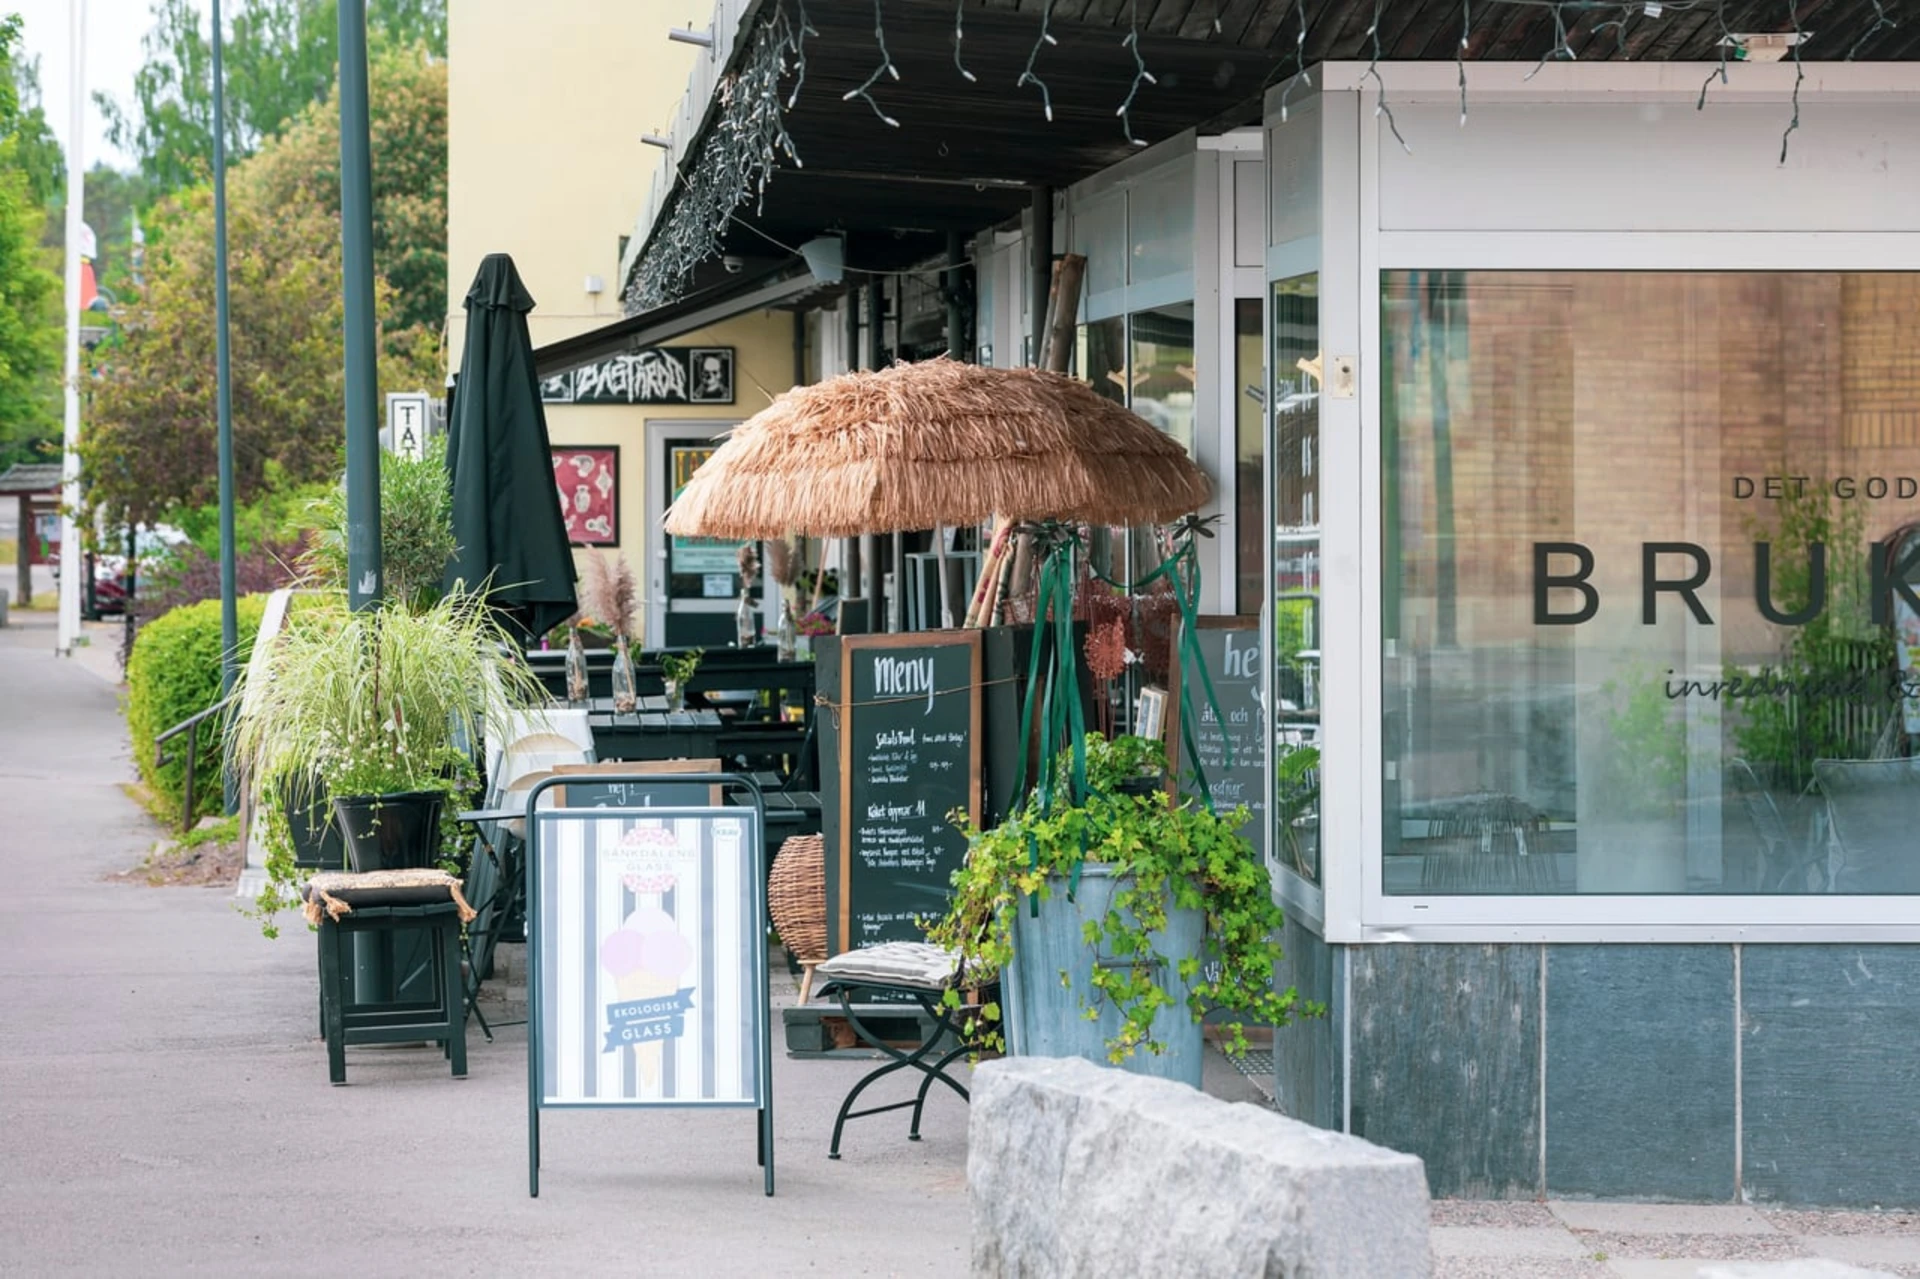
x=1838, y=659
x=173, y=673
x=679, y=667
x=1296, y=797
x=416, y=530
x=1166, y=852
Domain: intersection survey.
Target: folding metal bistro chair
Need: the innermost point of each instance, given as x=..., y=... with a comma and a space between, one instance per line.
x=921, y=972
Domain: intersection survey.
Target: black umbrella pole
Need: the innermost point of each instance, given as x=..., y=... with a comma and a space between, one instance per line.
x=356, y=243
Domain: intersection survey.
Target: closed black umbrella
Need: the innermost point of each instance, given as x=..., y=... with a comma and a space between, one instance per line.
x=506, y=511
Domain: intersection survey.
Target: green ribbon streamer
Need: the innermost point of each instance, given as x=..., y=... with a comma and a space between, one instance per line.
x=1053, y=705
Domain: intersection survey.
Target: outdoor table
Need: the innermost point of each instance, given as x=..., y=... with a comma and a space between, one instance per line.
x=731, y=702
x=650, y=731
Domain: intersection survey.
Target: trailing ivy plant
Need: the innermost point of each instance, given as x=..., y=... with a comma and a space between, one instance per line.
x=1164, y=852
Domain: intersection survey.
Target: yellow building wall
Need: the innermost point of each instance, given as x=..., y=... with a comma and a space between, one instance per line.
x=546, y=105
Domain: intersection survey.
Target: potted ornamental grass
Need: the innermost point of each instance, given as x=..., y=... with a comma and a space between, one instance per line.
x=380, y=708
x=361, y=724
x=1117, y=916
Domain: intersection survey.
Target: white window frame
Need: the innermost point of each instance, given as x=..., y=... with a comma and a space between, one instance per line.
x=1352, y=906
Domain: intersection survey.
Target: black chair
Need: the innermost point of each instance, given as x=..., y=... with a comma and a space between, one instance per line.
x=345, y=906
x=916, y=971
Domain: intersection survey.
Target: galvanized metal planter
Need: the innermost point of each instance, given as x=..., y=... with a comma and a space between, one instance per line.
x=1045, y=1018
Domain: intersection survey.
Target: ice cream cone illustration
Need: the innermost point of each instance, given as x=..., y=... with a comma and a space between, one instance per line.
x=647, y=956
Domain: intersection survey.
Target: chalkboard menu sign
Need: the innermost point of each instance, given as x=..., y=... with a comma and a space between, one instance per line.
x=905, y=740
x=1230, y=746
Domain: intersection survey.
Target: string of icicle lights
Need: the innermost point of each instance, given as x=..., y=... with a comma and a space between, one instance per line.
x=750, y=137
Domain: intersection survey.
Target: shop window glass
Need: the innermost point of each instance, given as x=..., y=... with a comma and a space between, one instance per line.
x=1647, y=554
x=1160, y=226
x=1249, y=453
x=1295, y=399
x=1100, y=357
x=1162, y=372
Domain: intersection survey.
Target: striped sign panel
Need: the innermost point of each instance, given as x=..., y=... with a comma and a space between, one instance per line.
x=646, y=930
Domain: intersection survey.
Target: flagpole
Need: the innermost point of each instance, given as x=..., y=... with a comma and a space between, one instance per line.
x=223, y=391
x=70, y=562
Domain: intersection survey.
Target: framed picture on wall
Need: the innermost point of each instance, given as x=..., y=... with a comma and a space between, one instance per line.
x=710, y=375
x=587, y=479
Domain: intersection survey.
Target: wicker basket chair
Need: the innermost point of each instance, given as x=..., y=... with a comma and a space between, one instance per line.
x=797, y=900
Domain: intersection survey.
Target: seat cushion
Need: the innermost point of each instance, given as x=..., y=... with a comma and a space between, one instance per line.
x=337, y=893
x=914, y=964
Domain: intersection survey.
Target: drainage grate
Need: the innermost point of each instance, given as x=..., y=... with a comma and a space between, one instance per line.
x=1257, y=1066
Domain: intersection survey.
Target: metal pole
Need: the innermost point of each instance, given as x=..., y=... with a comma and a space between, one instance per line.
x=869, y=545
x=223, y=395
x=372, y=953
x=956, y=349
x=356, y=237
x=956, y=256
x=69, y=617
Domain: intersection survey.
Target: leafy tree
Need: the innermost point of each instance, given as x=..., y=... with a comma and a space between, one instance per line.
x=150, y=450
x=280, y=58
x=29, y=292
x=408, y=126
x=23, y=120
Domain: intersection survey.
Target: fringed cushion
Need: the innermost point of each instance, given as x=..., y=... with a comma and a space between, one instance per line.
x=335, y=893
x=916, y=964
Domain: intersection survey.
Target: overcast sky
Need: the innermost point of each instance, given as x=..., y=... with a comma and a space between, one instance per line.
x=114, y=32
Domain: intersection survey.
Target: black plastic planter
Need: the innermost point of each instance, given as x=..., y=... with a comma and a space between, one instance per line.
x=390, y=832
x=313, y=831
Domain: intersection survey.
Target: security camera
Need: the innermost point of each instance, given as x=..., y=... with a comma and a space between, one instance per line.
x=733, y=264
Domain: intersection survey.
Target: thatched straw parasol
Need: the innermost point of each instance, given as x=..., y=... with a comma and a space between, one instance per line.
x=931, y=444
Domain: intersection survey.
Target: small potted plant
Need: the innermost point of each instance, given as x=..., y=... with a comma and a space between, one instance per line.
x=676, y=670
x=1116, y=921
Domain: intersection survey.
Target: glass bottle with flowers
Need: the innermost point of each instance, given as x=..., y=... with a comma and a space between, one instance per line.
x=613, y=596
x=783, y=570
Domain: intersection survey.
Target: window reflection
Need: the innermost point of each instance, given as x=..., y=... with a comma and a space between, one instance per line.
x=1161, y=372
x=1595, y=680
x=1295, y=402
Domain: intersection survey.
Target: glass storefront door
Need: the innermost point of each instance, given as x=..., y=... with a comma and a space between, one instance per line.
x=694, y=586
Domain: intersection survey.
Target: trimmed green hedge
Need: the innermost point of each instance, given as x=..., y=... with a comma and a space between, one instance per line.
x=174, y=674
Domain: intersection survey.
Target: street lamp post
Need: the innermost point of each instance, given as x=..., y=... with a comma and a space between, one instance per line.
x=356, y=243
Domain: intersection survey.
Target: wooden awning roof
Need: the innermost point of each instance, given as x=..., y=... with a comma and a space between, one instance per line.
x=35, y=479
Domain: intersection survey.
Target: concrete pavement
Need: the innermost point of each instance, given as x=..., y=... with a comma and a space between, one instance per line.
x=1556, y=1240
x=164, y=1105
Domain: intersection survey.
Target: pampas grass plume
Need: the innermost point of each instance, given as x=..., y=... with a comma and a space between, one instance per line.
x=612, y=595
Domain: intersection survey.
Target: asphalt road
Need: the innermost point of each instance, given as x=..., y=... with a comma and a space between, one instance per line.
x=164, y=1105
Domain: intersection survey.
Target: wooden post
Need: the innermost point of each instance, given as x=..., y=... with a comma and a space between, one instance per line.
x=1064, y=314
